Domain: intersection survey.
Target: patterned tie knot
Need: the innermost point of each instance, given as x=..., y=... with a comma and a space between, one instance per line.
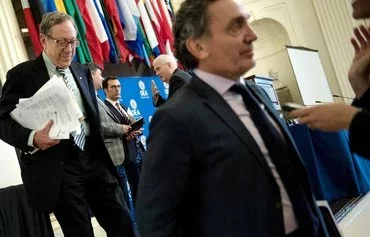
x=62, y=71
x=126, y=119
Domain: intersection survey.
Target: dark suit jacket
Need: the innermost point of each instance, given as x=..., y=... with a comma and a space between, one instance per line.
x=203, y=174
x=42, y=172
x=360, y=127
x=177, y=80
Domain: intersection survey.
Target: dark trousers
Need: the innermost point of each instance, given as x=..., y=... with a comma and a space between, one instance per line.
x=87, y=183
x=298, y=233
x=295, y=233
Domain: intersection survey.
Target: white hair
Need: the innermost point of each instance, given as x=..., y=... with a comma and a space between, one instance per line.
x=165, y=58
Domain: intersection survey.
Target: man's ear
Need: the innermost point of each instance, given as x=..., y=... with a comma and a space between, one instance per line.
x=43, y=39
x=197, y=47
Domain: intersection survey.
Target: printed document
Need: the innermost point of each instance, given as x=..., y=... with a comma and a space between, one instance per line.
x=53, y=101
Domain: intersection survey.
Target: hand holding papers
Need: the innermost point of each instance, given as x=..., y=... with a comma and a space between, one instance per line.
x=53, y=101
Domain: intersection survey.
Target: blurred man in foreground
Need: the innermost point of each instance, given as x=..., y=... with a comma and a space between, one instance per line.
x=220, y=162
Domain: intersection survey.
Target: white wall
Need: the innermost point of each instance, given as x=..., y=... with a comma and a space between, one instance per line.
x=301, y=26
x=10, y=173
x=12, y=52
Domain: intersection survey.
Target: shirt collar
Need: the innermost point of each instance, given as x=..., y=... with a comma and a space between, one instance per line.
x=218, y=83
x=52, y=69
x=112, y=102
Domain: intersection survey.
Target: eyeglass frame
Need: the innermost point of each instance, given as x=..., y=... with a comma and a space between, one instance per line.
x=67, y=42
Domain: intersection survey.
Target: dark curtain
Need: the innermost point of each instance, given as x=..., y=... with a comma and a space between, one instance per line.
x=17, y=219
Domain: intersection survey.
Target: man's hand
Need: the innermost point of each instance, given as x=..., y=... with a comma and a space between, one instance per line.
x=126, y=129
x=130, y=136
x=359, y=72
x=137, y=132
x=155, y=91
x=329, y=117
x=42, y=140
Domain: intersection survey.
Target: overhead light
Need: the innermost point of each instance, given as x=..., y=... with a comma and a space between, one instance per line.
x=24, y=30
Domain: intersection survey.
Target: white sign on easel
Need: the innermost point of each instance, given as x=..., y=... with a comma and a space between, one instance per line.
x=310, y=75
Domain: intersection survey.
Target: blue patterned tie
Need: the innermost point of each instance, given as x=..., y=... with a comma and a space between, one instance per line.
x=79, y=138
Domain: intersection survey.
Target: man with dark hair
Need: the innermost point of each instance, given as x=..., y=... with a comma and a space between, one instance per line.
x=165, y=66
x=96, y=75
x=220, y=161
x=64, y=176
x=117, y=136
x=126, y=154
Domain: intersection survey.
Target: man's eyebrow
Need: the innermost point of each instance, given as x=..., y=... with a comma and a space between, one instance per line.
x=238, y=19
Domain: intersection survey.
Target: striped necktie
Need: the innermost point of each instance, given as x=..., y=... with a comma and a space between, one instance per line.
x=126, y=119
x=78, y=138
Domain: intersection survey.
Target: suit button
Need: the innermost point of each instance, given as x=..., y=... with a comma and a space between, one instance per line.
x=61, y=163
x=278, y=205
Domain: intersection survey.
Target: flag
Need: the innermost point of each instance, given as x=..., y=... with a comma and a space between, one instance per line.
x=118, y=33
x=111, y=30
x=99, y=30
x=90, y=34
x=132, y=36
x=113, y=57
x=32, y=27
x=166, y=32
x=156, y=26
x=148, y=28
x=49, y=5
x=83, y=52
x=60, y=5
x=140, y=36
x=37, y=10
x=164, y=13
x=170, y=9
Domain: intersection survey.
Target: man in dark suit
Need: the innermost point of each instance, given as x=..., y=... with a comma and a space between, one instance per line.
x=220, y=162
x=64, y=176
x=165, y=66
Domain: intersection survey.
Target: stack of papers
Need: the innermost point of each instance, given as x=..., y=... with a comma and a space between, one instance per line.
x=53, y=101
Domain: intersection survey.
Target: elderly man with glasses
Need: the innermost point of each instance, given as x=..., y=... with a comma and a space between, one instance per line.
x=64, y=176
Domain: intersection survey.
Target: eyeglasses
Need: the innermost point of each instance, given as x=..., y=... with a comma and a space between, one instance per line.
x=63, y=43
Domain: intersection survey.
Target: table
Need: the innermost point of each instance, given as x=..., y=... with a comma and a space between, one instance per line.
x=335, y=171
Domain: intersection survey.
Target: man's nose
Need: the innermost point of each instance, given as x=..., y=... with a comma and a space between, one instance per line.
x=68, y=48
x=250, y=35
